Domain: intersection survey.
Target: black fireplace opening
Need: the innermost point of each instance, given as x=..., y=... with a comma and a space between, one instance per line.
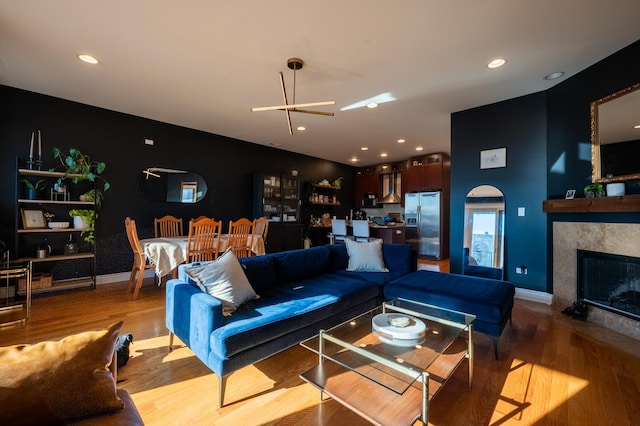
x=610, y=282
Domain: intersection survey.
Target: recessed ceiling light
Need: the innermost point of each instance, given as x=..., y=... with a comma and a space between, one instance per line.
x=418, y=148
x=301, y=128
x=354, y=159
x=554, y=75
x=496, y=63
x=637, y=127
x=364, y=148
x=384, y=154
x=88, y=59
x=372, y=105
x=401, y=141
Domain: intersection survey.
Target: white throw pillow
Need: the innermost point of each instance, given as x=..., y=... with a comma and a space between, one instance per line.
x=225, y=280
x=365, y=256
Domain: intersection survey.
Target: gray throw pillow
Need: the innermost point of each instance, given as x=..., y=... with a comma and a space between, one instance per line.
x=225, y=280
x=366, y=256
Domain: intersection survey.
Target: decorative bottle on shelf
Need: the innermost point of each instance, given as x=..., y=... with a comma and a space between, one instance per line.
x=71, y=247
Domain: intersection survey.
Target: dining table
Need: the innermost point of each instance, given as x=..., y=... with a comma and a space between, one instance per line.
x=168, y=253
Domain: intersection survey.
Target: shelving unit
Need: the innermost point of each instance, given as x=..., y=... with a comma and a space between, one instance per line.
x=27, y=239
x=322, y=191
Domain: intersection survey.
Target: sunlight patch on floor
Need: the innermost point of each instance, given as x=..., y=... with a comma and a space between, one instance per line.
x=518, y=395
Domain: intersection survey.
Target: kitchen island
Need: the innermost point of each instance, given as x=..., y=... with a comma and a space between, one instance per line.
x=387, y=233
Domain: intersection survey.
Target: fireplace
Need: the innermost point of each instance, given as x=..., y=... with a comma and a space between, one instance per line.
x=610, y=282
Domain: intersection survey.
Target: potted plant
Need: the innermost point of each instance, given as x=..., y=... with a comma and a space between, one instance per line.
x=34, y=189
x=94, y=195
x=85, y=219
x=81, y=166
x=594, y=190
x=338, y=183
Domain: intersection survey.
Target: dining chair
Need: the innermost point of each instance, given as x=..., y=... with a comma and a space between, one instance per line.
x=338, y=231
x=202, y=217
x=203, y=242
x=140, y=262
x=241, y=236
x=260, y=229
x=168, y=226
x=361, y=230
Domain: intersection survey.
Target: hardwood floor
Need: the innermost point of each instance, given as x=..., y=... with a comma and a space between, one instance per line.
x=552, y=370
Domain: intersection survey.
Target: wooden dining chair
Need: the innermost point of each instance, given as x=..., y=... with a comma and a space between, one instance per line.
x=203, y=242
x=202, y=217
x=260, y=229
x=140, y=262
x=241, y=236
x=168, y=226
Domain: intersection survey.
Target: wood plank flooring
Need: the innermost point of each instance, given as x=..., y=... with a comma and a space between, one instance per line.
x=552, y=370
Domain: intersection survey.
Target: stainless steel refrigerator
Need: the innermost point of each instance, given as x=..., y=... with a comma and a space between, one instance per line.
x=426, y=224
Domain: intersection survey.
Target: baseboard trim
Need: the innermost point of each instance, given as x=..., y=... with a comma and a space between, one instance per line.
x=534, y=296
x=118, y=277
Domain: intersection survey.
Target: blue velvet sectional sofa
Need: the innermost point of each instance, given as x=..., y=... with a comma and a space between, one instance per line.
x=301, y=292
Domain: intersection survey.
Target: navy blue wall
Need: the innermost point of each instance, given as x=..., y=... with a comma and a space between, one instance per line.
x=226, y=164
x=519, y=125
x=548, y=140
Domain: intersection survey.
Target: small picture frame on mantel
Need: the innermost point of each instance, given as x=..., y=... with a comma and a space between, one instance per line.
x=570, y=194
x=493, y=158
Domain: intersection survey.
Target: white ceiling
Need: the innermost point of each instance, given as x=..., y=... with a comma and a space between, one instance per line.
x=204, y=64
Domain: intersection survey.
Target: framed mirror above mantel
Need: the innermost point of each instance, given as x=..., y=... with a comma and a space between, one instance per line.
x=615, y=136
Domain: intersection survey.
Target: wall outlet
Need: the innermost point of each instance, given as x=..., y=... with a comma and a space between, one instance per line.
x=518, y=270
x=521, y=270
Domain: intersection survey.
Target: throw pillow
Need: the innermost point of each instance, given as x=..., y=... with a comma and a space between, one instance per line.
x=366, y=256
x=225, y=280
x=56, y=382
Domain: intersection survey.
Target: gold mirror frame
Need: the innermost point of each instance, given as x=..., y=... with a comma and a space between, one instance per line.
x=596, y=167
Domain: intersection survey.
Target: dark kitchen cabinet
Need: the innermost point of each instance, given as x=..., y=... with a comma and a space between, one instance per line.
x=367, y=182
x=284, y=236
x=428, y=173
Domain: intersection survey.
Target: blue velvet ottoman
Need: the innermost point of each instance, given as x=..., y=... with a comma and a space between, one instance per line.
x=491, y=301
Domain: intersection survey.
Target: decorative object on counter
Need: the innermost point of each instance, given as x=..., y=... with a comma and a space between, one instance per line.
x=323, y=182
x=31, y=162
x=570, y=194
x=33, y=218
x=58, y=225
x=594, y=190
x=34, y=190
x=615, y=189
x=80, y=165
x=85, y=219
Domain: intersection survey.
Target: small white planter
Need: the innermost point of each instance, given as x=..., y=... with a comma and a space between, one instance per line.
x=79, y=222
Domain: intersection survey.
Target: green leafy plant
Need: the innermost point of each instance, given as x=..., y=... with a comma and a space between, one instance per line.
x=594, y=190
x=88, y=216
x=338, y=182
x=93, y=195
x=38, y=186
x=81, y=166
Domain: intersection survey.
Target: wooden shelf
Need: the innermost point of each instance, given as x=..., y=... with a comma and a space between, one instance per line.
x=621, y=204
x=43, y=201
x=47, y=173
x=47, y=230
x=317, y=203
x=56, y=257
x=325, y=186
x=84, y=282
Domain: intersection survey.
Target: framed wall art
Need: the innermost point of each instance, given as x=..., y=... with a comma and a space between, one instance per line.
x=493, y=158
x=33, y=218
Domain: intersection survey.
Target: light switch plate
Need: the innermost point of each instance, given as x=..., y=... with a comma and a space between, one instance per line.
x=520, y=211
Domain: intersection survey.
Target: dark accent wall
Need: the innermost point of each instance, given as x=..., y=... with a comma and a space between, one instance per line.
x=548, y=139
x=226, y=164
x=519, y=125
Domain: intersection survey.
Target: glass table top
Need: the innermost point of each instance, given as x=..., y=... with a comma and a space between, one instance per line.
x=392, y=344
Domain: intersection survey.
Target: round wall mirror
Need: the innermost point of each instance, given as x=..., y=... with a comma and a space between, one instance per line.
x=169, y=185
x=484, y=232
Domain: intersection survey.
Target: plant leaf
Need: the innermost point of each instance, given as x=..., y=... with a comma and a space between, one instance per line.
x=106, y=186
x=100, y=167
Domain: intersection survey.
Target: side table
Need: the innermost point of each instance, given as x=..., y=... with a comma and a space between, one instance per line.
x=14, y=308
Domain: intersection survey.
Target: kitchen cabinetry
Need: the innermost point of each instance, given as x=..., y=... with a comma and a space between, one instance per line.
x=69, y=268
x=389, y=235
x=428, y=173
x=367, y=182
x=276, y=197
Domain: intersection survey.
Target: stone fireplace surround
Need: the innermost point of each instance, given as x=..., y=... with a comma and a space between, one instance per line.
x=614, y=238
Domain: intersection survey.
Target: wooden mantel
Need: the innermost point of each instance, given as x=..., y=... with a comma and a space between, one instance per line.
x=622, y=204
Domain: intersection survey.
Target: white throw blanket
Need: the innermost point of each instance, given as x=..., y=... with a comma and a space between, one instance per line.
x=165, y=253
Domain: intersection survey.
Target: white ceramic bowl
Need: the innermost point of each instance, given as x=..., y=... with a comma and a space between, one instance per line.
x=55, y=225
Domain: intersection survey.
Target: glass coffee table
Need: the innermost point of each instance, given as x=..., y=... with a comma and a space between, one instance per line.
x=388, y=363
